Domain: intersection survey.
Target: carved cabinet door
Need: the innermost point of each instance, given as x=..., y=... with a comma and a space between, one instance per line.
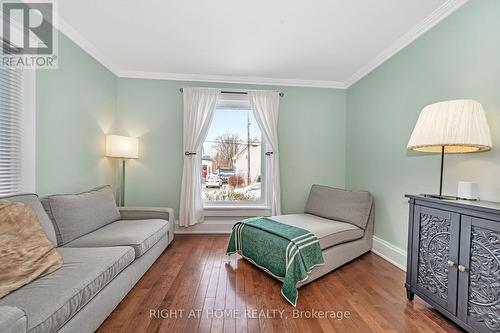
x=479, y=274
x=435, y=254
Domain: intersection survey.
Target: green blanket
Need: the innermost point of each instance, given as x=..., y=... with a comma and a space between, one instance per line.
x=286, y=252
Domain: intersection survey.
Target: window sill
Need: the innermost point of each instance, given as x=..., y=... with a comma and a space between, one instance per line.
x=237, y=211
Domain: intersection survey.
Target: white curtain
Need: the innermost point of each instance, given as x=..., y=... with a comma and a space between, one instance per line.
x=265, y=106
x=199, y=107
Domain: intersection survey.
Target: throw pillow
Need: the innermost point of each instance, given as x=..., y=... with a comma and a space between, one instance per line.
x=25, y=251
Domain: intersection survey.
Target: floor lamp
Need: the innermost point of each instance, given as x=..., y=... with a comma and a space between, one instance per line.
x=124, y=148
x=451, y=127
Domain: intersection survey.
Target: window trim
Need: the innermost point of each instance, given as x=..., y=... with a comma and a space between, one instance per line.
x=240, y=208
x=243, y=211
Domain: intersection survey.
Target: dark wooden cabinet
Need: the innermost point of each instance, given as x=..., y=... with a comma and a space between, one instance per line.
x=454, y=260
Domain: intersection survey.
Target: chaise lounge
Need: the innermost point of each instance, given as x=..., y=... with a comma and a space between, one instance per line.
x=340, y=221
x=343, y=222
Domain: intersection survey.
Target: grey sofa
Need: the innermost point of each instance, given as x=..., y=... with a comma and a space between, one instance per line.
x=105, y=249
x=341, y=220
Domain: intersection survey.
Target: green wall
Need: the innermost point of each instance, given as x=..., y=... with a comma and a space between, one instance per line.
x=311, y=138
x=81, y=101
x=76, y=105
x=356, y=138
x=459, y=58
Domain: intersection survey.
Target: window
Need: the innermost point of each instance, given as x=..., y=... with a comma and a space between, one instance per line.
x=17, y=130
x=233, y=163
x=10, y=130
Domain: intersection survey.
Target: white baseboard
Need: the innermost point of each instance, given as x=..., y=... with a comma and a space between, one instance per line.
x=389, y=252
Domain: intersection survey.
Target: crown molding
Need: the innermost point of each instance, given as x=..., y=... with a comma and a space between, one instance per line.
x=232, y=79
x=85, y=45
x=428, y=23
x=62, y=26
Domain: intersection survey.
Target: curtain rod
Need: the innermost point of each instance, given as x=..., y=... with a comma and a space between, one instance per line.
x=235, y=92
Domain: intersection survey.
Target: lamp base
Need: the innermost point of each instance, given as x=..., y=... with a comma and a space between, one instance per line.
x=442, y=197
x=122, y=186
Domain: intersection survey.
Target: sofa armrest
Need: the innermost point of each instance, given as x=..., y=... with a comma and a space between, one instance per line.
x=12, y=320
x=146, y=213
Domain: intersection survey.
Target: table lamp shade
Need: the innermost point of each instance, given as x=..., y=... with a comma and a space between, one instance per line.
x=457, y=126
x=122, y=146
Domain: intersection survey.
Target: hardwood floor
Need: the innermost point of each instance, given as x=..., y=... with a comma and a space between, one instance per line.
x=195, y=287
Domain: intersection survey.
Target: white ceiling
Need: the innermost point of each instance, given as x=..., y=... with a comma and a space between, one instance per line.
x=330, y=43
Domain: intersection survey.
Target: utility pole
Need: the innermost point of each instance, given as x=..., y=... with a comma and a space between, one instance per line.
x=248, y=147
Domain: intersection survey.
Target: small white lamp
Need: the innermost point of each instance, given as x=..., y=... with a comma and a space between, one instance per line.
x=122, y=147
x=451, y=127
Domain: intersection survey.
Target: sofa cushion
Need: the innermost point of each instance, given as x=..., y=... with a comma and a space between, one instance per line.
x=140, y=234
x=12, y=320
x=35, y=204
x=340, y=205
x=328, y=232
x=49, y=302
x=75, y=215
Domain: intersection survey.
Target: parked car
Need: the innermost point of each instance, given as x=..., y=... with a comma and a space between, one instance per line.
x=225, y=174
x=213, y=181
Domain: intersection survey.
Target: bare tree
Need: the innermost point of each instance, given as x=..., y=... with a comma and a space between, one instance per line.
x=226, y=146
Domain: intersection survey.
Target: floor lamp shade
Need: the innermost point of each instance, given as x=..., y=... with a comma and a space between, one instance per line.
x=122, y=146
x=451, y=127
x=459, y=126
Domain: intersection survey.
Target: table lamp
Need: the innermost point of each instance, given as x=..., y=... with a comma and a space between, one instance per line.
x=122, y=147
x=451, y=127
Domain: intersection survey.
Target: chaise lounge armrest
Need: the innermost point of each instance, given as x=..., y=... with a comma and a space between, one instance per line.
x=146, y=213
x=12, y=320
